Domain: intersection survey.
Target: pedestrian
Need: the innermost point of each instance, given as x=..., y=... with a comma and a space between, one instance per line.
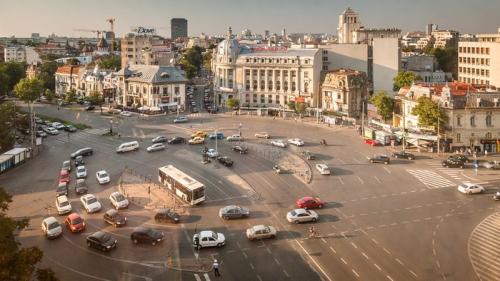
x=486, y=153
x=216, y=268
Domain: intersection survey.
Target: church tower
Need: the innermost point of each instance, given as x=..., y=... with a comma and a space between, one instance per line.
x=348, y=23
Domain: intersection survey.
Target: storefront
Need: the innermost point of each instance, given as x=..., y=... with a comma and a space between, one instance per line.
x=491, y=145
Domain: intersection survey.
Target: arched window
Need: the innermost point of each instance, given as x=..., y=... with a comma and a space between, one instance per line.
x=306, y=87
x=488, y=120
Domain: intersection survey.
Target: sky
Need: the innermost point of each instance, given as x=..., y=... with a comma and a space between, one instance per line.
x=23, y=17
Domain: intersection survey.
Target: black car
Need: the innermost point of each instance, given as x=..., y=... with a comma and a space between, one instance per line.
x=167, y=215
x=308, y=155
x=82, y=152
x=176, y=140
x=159, y=139
x=89, y=107
x=403, y=155
x=114, y=218
x=240, y=149
x=453, y=163
x=462, y=158
x=380, y=159
x=70, y=128
x=101, y=240
x=146, y=235
x=81, y=186
x=62, y=189
x=226, y=161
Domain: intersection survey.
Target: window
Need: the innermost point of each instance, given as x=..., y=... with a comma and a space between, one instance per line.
x=306, y=87
x=277, y=99
x=255, y=98
x=325, y=58
x=488, y=120
x=270, y=85
x=473, y=121
x=176, y=90
x=306, y=74
x=459, y=121
x=262, y=85
x=247, y=98
x=488, y=136
x=270, y=99
x=255, y=85
x=325, y=67
x=458, y=138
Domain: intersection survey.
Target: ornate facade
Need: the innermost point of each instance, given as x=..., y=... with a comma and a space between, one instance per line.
x=344, y=91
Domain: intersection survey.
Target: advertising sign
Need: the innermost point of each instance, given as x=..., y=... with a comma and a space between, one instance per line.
x=143, y=30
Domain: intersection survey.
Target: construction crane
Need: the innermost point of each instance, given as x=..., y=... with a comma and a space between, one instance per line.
x=97, y=32
x=112, y=28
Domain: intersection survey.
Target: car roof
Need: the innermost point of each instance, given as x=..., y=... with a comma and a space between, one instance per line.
x=115, y=193
x=111, y=212
x=206, y=233
x=305, y=198
x=164, y=211
x=50, y=220
x=142, y=229
x=101, y=172
x=259, y=227
x=98, y=234
x=73, y=216
x=88, y=196
x=62, y=198
x=300, y=211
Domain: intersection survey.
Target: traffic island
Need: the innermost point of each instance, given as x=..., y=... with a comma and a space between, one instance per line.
x=200, y=265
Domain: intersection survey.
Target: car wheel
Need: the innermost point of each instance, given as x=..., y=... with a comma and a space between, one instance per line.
x=153, y=243
x=225, y=217
x=135, y=241
x=371, y=161
x=314, y=219
x=320, y=206
x=219, y=245
x=296, y=221
x=89, y=244
x=272, y=236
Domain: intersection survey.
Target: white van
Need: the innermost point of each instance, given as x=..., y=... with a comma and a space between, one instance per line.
x=128, y=146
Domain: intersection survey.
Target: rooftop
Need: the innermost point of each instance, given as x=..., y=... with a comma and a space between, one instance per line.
x=152, y=74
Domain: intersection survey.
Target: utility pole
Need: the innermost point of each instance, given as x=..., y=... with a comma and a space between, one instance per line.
x=216, y=137
x=363, y=118
x=404, y=127
x=438, y=133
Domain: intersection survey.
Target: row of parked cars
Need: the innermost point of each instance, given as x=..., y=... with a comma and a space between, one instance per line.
x=45, y=127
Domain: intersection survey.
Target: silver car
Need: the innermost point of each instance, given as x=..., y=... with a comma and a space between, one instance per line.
x=302, y=215
x=261, y=232
x=233, y=212
x=156, y=147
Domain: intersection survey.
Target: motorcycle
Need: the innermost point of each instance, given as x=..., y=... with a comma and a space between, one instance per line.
x=277, y=169
x=496, y=197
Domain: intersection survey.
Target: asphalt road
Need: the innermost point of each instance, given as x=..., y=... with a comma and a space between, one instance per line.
x=403, y=221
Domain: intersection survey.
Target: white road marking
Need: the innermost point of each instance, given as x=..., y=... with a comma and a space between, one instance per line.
x=207, y=278
x=251, y=265
x=360, y=180
x=387, y=170
x=378, y=267
x=387, y=251
x=354, y=245
x=365, y=255
x=389, y=277
x=286, y=274
x=414, y=274
x=258, y=277
x=314, y=261
x=340, y=179
x=355, y=273
x=333, y=250
x=342, y=259
x=376, y=178
x=197, y=277
x=399, y=261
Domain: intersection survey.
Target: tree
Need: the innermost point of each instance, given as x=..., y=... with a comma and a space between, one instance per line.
x=429, y=113
x=447, y=59
x=17, y=263
x=291, y=105
x=73, y=61
x=207, y=61
x=29, y=90
x=191, y=61
x=111, y=62
x=300, y=107
x=232, y=103
x=16, y=71
x=404, y=79
x=47, y=74
x=49, y=95
x=384, y=104
x=4, y=81
x=70, y=95
x=7, y=126
x=95, y=98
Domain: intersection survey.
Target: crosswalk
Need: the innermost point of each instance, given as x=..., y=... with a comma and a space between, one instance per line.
x=430, y=179
x=454, y=173
x=198, y=278
x=484, y=248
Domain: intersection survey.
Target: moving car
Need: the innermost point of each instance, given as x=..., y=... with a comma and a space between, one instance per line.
x=226, y=161
x=146, y=235
x=372, y=142
x=309, y=202
x=128, y=146
x=160, y=139
x=74, y=222
x=125, y=113
x=233, y=212
x=118, y=200
x=62, y=189
x=308, y=155
x=278, y=143
x=200, y=134
x=90, y=203
x=156, y=147
x=470, y=188
x=380, y=159
x=403, y=155
x=62, y=205
x=453, y=163
x=114, y=218
x=180, y=119
x=70, y=128
x=458, y=157
x=197, y=140
x=262, y=135
x=102, y=177
x=296, y=141
x=212, y=153
x=102, y=241
x=302, y=215
x=89, y=107
x=208, y=238
x=219, y=136
x=66, y=165
x=167, y=215
x=494, y=165
x=51, y=227
x=261, y=232
x=81, y=172
x=64, y=176
x=240, y=149
x=234, y=138
x=87, y=151
x=323, y=169
x=176, y=140
x=81, y=186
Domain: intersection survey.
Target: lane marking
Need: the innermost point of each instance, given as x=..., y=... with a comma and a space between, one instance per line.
x=206, y=276
x=389, y=277
x=286, y=274
x=354, y=245
x=378, y=267
x=333, y=250
x=387, y=170
x=197, y=277
x=342, y=259
x=360, y=180
x=376, y=178
x=355, y=273
x=365, y=255
x=314, y=261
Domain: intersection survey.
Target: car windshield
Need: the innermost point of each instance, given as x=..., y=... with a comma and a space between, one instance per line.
x=64, y=203
x=214, y=235
x=119, y=197
x=103, y=175
x=463, y=186
x=294, y=213
x=53, y=225
x=81, y=169
x=91, y=200
x=78, y=220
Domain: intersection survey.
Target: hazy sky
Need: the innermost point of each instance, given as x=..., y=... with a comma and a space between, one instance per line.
x=22, y=17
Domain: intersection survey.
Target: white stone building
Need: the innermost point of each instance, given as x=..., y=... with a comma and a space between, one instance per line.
x=147, y=49
x=67, y=78
x=20, y=54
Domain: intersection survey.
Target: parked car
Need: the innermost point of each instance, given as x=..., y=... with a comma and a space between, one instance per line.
x=51, y=227
x=403, y=155
x=75, y=223
x=233, y=212
x=146, y=235
x=89, y=107
x=197, y=140
x=159, y=139
x=81, y=172
x=200, y=134
x=64, y=176
x=261, y=232
x=57, y=126
x=372, y=142
x=453, y=163
x=458, y=157
x=296, y=141
x=156, y=147
x=102, y=241
x=66, y=165
x=219, y=136
x=102, y=177
x=79, y=161
x=51, y=131
x=70, y=128
x=62, y=205
x=81, y=186
x=302, y=215
x=208, y=238
x=118, y=200
x=234, y=138
x=470, y=188
x=41, y=134
x=262, y=135
x=180, y=119
x=87, y=151
x=114, y=218
x=212, y=153
x=176, y=140
x=494, y=165
x=240, y=149
x=308, y=155
x=125, y=113
x=309, y=202
x=323, y=169
x=279, y=143
x=90, y=203
x=62, y=189
x=167, y=215
x=380, y=159
x=226, y=161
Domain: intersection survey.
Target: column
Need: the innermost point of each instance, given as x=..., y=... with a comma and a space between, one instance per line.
x=273, y=78
x=281, y=80
x=251, y=79
x=258, y=80
x=289, y=80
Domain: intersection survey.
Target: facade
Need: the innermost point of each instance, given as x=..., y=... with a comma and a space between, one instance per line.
x=66, y=78
x=178, y=28
x=32, y=71
x=344, y=91
x=410, y=39
x=425, y=66
x=386, y=63
x=445, y=38
x=94, y=80
x=51, y=49
x=146, y=49
x=20, y=54
x=479, y=61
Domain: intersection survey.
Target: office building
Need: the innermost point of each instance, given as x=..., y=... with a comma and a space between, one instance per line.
x=178, y=28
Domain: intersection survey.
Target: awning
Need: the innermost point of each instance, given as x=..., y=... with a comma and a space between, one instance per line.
x=155, y=108
x=170, y=104
x=143, y=108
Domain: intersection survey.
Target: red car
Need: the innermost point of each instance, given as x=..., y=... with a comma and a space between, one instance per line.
x=310, y=203
x=372, y=142
x=75, y=223
x=64, y=176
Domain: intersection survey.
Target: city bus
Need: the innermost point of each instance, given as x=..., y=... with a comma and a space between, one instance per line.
x=185, y=187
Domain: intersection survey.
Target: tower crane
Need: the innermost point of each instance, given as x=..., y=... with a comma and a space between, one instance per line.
x=97, y=32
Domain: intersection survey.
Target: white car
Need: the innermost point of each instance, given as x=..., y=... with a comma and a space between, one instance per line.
x=262, y=135
x=102, y=177
x=279, y=143
x=470, y=188
x=261, y=232
x=81, y=172
x=52, y=131
x=234, y=138
x=125, y=113
x=494, y=165
x=57, y=125
x=90, y=203
x=180, y=119
x=323, y=169
x=212, y=153
x=156, y=147
x=51, y=227
x=296, y=141
x=118, y=200
x=62, y=205
x=302, y=215
x=208, y=238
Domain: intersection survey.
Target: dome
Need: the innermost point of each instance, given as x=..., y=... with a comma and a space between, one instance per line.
x=102, y=43
x=229, y=47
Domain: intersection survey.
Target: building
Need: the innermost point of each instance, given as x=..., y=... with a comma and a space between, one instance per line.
x=425, y=66
x=66, y=79
x=146, y=48
x=51, y=49
x=2, y=53
x=32, y=71
x=445, y=38
x=344, y=91
x=20, y=54
x=151, y=87
x=479, y=61
x=410, y=39
x=178, y=28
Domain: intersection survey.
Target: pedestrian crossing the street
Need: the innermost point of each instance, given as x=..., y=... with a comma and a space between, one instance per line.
x=430, y=179
x=483, y=248
x=198, y=277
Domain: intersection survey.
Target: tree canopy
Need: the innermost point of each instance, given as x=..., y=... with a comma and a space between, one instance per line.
x=404, y=79
x=7, y=126
x=429, y=113
x=207, y=61
x=447, y=59
x=111, y=62
x=232, y=103
x=192, y=60
x=47, y=74
x=29, y=90
x=10, y=74
x=384, y=104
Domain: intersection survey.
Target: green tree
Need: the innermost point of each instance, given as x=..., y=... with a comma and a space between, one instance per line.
x=29, y=90
x=4, y=81
x=207, y=61
x=300, y=107
x=7, y=126
x=16, y=71
x=70, y=95
x=232, y=103
x=429, y=113
x=384, y=104
x=291, y=105
x=111, y=62
x=404, y=79
x=73, y=61
x=16, y=263
x=47, y=74
x=191, y=61
x=49, y=95
x=447, y=59
x=95, y=98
